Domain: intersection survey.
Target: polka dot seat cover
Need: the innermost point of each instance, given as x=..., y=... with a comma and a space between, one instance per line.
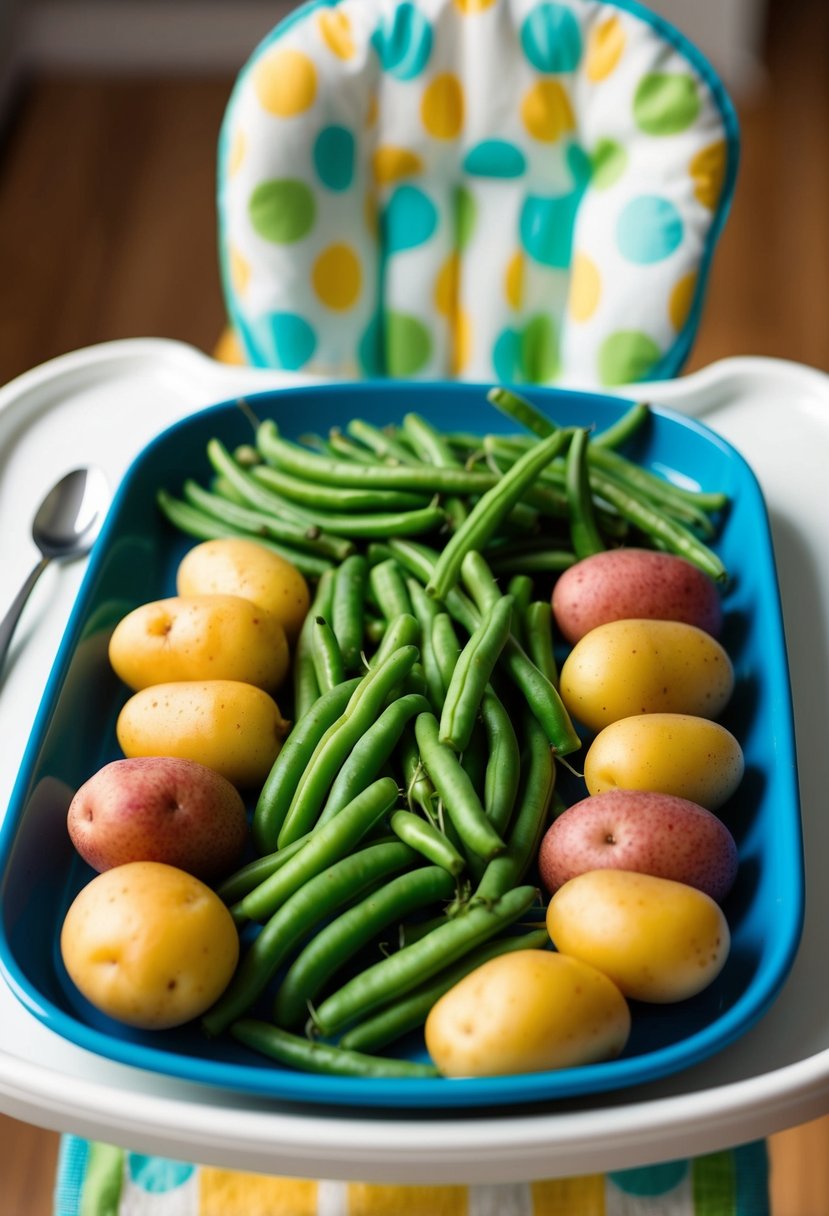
x=521, y=190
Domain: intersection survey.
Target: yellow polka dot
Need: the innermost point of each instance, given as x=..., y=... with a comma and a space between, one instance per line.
x=229, y=349
x=446, y=286
x=222, y=1191
x=470, y=7
x=336, y=277
x=391, y=164
x=514, y=280
x=373, y=110
x=236, y=156
x=681, y=299
x=604, y=48
x=442, y=107
x=335, y=30
x=585, y=288
x=285, y=83
x=461, y=341
x=707, y=171
x=240, y=270
x=546, y=111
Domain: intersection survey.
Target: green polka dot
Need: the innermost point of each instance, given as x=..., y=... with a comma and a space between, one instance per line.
x=539, y=350
x=282, y=210
x=495, y=158
x=403, y=42
x=609, y=161
x=408, y=344
x=334, y=157
x=666, y=103
x=626, y=356
x=464, y=217
x=370, y=349
x=551, y=38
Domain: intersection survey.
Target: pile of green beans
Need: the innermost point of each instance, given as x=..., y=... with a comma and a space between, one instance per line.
x=397, y=832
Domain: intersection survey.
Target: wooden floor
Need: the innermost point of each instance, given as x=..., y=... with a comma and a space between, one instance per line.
x=107, y=230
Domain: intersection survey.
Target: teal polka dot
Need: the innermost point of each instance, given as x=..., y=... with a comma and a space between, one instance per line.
x=665, y=103
x=282, y=210
x=609, y=161
x=465, y=214
x=157, y=1175
x=408, y=344
x=506, y=356
x=409, y=219
x=539, y=350
x=334, y=157
x=649, y=229
x=626, y=356
x=546, y=229
x=650, y=1180
x=403, y=42
x=287, y=340
x=551, y=39
x=494, y=158
x=370, y=349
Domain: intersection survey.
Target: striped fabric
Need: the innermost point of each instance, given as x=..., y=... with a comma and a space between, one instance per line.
x=97, y=1179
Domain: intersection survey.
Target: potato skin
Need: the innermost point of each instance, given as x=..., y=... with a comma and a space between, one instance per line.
x=527, y=1011
x=640, y=666
x=681, y=754
x=199, y=637
x=642, y=583
x=234, y=728
x=232, y=566
x=149, y=945
x=658, y=940
x=640, y=830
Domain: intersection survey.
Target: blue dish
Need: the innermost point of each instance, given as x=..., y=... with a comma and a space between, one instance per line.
x=135, y=561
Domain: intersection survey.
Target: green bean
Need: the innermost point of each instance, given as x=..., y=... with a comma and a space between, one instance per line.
x=322, y=896
x=316, y=443
x=325, y=498
x=275, y=799
x=340, y=445
x=446, y=648
x=426, y=609
x=328, y=659
x=419, y=789
x=472, y=673
x=489, y=511
x=380, y=442
x=293, y=459
x=237, y=884
x=624, y=428
x=374, y=630
x=222, y=487
x=584, y=531
x=330, y=949
x=503, y=768
x=456, y=790
x=538, y=774
x=538, y=561
x=348, y=608
x=198, y=523
x=520, y=587
x=304, y=673
x=538, y=631
x=401, y=972
x=521, y=411
x=389, y=588
x=298, y=1052
x=478, y=580
x=339, y=740
x=660, y=488
x=259, y=524
x=407, y=1013
x=422, y=836
x=327, y=845
x=370, y=753
x=403, y=631
x=432, y=448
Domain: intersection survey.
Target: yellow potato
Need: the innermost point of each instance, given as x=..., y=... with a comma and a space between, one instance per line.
x=526, y=1011
x=679, y=754
x=643, y=667
x=233, y=728
x=244, y=567
x=149, y=945
x=199, y=637
x=658, y=940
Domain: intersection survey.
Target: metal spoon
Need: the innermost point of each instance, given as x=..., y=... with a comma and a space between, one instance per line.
x=65, y=525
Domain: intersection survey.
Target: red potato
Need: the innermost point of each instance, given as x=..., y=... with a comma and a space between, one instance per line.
x=641, y=583
x=642, y=831
x=159, y=808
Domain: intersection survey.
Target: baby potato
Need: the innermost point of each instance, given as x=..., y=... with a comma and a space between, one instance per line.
x=199, y=637
x=149, y=945
x=234, y=728
x=679, y=754
x=641, y=666
x=658, y=940
x=230, y=566
x=527, y=1011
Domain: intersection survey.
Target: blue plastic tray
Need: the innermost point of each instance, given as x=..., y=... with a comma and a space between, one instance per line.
x=135, y=560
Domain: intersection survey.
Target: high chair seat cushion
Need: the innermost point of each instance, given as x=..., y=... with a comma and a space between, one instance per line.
x=520, y=190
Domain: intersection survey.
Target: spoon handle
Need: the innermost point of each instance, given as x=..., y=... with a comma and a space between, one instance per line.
x=9, y=621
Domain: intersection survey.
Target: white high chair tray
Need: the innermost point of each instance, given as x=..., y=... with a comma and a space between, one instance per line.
x=103, y=404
